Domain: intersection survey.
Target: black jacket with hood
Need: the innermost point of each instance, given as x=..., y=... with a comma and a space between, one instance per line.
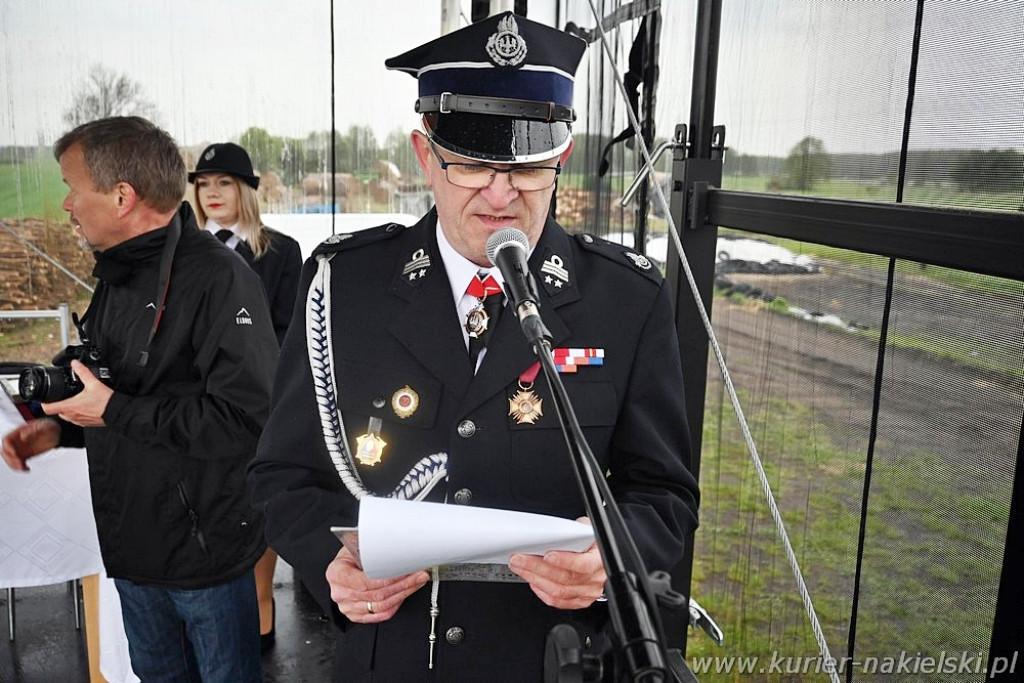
x=167, y=471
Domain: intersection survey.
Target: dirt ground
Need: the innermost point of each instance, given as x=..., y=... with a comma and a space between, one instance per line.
x=833, y=369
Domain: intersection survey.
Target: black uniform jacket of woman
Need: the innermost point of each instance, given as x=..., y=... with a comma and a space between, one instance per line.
x=394, y=329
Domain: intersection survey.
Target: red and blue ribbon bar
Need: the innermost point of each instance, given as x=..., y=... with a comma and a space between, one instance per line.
x=568, y=360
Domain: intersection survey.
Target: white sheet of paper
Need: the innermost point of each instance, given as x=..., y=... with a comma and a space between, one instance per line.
x=399, y=536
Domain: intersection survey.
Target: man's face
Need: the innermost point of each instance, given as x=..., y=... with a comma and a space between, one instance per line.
x=469, y=216
x=94, y=213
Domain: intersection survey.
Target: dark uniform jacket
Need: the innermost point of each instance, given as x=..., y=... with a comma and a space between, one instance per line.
x=167, y=472
x=279, y=267
x=395, y=327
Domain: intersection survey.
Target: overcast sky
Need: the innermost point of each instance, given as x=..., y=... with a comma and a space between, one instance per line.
x=835, y=70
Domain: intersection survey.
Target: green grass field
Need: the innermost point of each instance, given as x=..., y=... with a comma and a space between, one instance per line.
x=924, y=568
x=32, y=189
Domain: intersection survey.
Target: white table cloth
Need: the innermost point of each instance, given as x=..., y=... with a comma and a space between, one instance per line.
x=48, y=535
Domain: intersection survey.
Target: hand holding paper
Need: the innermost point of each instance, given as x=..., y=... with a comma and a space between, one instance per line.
x=397, y=537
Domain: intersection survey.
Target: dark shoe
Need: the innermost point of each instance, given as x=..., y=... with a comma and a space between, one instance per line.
x=267, y=639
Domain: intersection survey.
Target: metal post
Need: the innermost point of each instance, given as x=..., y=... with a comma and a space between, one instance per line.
x=450, y=10
x=692, y=169
x=64, y=313
x=10, y=613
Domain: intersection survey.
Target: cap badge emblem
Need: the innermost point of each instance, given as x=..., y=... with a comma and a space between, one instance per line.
x=639, y=260
x=405, y=401
x=505, y=46
x=209, y=155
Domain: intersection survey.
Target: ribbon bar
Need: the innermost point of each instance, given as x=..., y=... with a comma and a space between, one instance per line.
x=567, y=360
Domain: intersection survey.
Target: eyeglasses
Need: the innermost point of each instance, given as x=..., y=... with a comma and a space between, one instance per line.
x=479, y=176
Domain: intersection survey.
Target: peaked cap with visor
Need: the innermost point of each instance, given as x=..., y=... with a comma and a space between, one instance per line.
x=498, y=90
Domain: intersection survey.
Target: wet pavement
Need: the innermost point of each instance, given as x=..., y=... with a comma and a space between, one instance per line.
x=48, y=648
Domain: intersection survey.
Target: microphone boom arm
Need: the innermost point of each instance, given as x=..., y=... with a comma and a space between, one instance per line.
x=631, y=603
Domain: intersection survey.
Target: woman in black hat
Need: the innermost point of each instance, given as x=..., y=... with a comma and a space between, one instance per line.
x=227, y=205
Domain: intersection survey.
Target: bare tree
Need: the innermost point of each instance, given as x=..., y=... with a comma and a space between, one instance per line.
x=104, y=94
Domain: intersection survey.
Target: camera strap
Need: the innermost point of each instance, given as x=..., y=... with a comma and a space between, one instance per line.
x=163, y=282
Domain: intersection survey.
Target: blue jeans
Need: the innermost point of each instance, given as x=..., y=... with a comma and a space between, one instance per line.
x=208, y=634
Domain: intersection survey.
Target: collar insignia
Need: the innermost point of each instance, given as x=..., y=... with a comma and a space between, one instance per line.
x=506, y=47
x=417, y=266
x=555, y=276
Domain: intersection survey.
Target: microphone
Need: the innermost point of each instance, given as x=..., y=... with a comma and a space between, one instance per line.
x=507, y=249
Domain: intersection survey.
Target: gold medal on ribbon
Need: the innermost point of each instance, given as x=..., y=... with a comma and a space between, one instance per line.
x=369, y=446
x=525, y=406
x=405, y=401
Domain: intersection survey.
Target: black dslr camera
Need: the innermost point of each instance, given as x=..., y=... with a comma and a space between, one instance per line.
x=58, y=382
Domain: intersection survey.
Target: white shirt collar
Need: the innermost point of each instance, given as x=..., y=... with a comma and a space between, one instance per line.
x=213, y=226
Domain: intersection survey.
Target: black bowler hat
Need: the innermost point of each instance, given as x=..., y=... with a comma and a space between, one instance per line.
x=497, y=90
x=226, y=157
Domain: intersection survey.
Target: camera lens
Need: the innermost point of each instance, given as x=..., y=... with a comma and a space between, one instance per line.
x=32, y=383
x=47, y=384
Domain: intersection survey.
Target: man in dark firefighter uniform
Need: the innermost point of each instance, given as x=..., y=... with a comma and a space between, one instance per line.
x=400, y=377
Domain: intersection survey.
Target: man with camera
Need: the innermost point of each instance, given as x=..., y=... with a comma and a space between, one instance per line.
x=169, y=403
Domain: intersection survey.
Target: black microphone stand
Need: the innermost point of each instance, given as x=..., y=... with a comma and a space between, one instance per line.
x=639, y=654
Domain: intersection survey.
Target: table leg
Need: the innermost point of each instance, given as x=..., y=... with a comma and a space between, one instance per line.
x=91, y=598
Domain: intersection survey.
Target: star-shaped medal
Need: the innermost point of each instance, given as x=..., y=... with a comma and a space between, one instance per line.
x=369, y=449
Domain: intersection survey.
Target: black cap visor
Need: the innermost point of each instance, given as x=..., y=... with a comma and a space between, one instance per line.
x=497, y=138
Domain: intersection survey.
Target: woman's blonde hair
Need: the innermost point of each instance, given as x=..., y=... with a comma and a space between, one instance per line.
x=250, y=225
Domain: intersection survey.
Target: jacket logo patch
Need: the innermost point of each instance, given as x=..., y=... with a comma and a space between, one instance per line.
x=243, y=317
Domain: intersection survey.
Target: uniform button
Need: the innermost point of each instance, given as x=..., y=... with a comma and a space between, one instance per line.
x=467, y=428
x=463, y=497
x=588, y=239
x=454, y=635
x=378, y=403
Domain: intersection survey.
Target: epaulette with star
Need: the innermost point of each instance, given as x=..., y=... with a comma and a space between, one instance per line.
x=623, y=255
x=350, y=240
